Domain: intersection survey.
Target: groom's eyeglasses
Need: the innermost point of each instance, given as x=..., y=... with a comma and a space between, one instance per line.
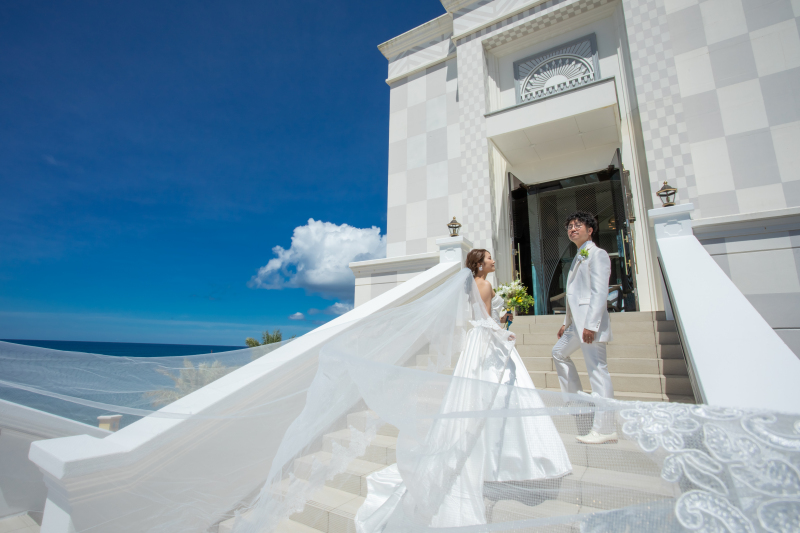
x=576, y=225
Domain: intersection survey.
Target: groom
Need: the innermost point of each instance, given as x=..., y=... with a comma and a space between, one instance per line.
x=586, y=325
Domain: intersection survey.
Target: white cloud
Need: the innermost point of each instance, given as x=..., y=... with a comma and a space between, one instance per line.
x=338, y=308
x=318, y=257
x=297, y=316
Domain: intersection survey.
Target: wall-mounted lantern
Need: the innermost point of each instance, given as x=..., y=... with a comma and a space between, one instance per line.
x=667, y=195
x=454, y=227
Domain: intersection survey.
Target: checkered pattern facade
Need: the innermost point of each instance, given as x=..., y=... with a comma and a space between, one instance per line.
x=716, y=82
x=424, y=159
x=717, y=93
x=477, y=205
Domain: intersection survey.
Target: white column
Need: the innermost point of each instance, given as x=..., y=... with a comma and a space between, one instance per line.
x=453, y=249
x=674, y=221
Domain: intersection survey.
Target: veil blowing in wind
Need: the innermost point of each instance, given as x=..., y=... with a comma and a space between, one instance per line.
x=380, y=430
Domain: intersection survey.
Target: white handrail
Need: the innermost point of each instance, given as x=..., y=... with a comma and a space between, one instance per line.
x=736, y=358
x=22, y=488
x=84, y=472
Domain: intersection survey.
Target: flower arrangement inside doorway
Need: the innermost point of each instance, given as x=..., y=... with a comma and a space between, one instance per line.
x=515, y=296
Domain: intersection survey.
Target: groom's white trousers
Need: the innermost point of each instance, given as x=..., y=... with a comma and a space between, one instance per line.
x=595, y=356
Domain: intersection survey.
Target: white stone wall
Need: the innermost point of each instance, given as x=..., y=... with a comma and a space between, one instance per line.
x=763, y=260
x=424, y=159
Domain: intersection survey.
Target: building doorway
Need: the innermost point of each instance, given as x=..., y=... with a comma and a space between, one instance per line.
x=543, y=252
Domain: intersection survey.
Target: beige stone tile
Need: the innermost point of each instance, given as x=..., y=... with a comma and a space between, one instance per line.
x=538, y=364
x=290, y=526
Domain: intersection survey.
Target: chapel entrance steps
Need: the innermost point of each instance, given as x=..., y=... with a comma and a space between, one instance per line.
x=604, y=477
x=645, y=358
x=646, y=363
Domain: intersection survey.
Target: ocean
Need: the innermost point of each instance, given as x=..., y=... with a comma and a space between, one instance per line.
x=88, y=415
x=128, y=349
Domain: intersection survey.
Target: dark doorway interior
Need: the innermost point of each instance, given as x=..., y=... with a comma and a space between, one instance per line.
x=543, y=253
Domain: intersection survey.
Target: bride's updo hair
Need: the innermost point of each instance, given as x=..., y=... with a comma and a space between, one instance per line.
x=474, y=259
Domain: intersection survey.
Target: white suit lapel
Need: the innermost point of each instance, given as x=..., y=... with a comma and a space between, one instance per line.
x=577, y=262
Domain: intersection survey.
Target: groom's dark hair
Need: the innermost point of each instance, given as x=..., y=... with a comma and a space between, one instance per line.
x=587, y=219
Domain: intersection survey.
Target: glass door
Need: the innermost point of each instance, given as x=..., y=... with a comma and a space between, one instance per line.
x=551, y=252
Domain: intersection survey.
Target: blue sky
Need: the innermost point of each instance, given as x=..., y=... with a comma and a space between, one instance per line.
x=152, y=155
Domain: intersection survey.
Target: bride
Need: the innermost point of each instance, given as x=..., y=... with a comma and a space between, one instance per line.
x=494, y=449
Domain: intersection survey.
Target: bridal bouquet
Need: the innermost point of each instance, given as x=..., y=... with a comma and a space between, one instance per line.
x=515, y=295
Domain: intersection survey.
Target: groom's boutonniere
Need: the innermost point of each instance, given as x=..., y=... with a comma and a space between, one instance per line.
x=584, y=254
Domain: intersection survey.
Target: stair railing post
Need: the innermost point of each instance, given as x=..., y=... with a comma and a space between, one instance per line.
x=453, y=249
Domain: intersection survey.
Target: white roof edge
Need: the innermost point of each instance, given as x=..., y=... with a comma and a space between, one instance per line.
x=442, y=25
x=402, y=262
x=454, y=5
x=710, y=223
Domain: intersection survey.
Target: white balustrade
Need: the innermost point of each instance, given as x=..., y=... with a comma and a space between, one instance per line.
x=92, y=482
x=735, y=357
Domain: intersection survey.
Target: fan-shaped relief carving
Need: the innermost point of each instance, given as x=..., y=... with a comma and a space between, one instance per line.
x=557, y=70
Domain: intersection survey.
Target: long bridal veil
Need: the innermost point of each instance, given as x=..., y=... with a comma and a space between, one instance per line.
x=306, y=439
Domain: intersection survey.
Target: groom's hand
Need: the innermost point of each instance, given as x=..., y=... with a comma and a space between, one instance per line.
x=561, y=331
x=588, y=336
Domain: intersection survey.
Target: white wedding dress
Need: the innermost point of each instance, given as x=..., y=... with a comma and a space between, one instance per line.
x=504, y=448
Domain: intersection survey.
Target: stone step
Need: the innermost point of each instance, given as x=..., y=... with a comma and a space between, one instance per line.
x=615, y=365
x=586, y=488
x=381, y=450
x=287, y=526
x=20, y=523
x=513, y=510
x=625, y=351
x=629, y=337
x=651, y=352
x=654, y=383
x=621, y=456
x=359, y=421
x=330, y=510
x=650, y=383
x=604, y=477
x=353, y=479
x=616, y=318
x=620, y=327
x=643, y=396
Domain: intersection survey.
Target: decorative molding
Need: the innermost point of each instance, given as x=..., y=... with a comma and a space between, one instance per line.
x=559, y=69
x=473, y=21
x=451, y=6
x=416, y=262
x=747, y=224
x=406, y=73
x=421, y=35
x=610, y=80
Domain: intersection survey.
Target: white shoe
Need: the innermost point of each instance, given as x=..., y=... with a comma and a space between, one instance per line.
x=597, y=438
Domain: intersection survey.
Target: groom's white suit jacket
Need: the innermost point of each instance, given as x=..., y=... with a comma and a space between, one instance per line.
x=587, y=293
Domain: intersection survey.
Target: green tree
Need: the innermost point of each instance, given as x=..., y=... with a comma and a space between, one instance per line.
x=266, y=338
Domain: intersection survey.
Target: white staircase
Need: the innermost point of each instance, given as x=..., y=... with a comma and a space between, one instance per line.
x=604, y=477
x=646, y=363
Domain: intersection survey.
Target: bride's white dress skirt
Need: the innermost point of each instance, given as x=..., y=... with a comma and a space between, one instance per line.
x=470, y=450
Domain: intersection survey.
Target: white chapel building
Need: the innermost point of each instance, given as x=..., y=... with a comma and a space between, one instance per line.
x=510, y=114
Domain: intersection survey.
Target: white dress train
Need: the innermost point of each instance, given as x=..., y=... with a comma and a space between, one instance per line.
x=513, y=448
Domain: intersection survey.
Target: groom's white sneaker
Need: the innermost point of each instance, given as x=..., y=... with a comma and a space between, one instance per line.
x=597, y=438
